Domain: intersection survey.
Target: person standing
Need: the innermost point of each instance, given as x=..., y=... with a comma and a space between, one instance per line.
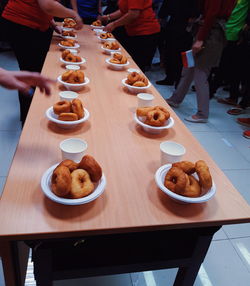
x=89, y=10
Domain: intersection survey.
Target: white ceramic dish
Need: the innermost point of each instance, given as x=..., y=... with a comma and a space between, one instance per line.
x=135, y=89
x=96, y=27
x=160, y=177
x=66, y=124
x=73, y=86
x=72, y=67
x=46, y=183
x=98, y=31
x=154, y=129
x=117, y=67
x=73, y=63
x=106, y=40
x=68, y=95
x=76, y=46
x=69, y=37
x=67, y=29
x=108, y=51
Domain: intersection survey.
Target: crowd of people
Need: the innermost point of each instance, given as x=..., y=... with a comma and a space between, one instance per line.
x=217, y=33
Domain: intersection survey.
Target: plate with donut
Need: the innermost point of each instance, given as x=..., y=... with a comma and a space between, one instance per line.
x=73, y=79
x=153, y=119
x=71, y=183
x=136, y=82
x=69, y=57
x=110, y=47
x=186, y=182
x=97, y=25
x=68, y=43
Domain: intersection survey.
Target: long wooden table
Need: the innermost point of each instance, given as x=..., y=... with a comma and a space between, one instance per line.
x=131, y=203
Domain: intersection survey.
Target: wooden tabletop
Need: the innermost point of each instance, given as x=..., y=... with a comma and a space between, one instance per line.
x=129, y=158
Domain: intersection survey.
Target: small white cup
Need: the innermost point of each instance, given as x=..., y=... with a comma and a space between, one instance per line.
x=98, y=31
x=130, y=70
x=145, y=99
x=73, y=149
x=171, y=152
x=68, y=95
x=73, y=51
x=72, y=67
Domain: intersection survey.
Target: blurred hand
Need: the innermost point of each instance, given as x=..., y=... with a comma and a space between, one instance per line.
x=103, y=19
x=110, y=27
x=58, y=29
x=197, y=46
x=79, y=22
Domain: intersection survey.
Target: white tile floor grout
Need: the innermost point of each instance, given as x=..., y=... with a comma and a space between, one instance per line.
x=227, y=262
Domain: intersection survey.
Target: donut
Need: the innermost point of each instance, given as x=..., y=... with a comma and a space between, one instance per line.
x=61, y=181
x=117, y=56
x=123, y=60
x=68, y=34
x=103, y=36
x=65, y=53
x=143, y=79
x=66, y=75
x=186, y=166
x=62, y=107
x=71, y=165
x=204, y=175
x=68, y=43
x=133, y=77
x=114, y=61
x=67, y=116
x=114, y=46
x=69, y=23
x=139, y=83
x=77, y=108
x=193, y=189
x=73, y=76
x=81, y=185
x=69, y=58
x=143, y=111
x=155, y=118
x=107, y=45
x=89, y=164
x=109, y=35
x=176, y=180
x=97, y=23
x=163, y=110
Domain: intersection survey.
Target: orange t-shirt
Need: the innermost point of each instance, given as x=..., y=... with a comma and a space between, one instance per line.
x=27, y=13
x=146, y=23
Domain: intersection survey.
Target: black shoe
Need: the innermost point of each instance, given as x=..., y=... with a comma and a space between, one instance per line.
x=165, y=82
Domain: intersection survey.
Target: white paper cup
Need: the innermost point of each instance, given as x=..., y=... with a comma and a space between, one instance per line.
x=68, y=95
x=130, y=70
x=73, y=51
x=72, y=67
x=73, y=149
x=171, y=152
x=145, y=99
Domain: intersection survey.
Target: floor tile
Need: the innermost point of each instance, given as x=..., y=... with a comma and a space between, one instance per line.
x=2, y=182
x=8, y=61
x=237, y=230
x=2, y=283
x=242, y=246
x=220, y=235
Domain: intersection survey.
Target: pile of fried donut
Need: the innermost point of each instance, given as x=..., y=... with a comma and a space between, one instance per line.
x=69, y=111
x=118, y=59
x=69, y=57
x=76, y=180
x=106, y=35
x=97, y=23
x=179, y=178
x=68, y=33
x=111, y=45
x=135, y=79
x=69, y=23
x=68, y=43
x=74, y=77
x=153, y=116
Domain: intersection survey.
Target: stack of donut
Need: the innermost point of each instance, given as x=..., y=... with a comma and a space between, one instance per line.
x=68, y=33
x=153, y=116
x=69, y=111
x=73, y=181
x=69, y=23
x=74, y=77
x=179, y=178
x=106, y=35
x=118, y=59
x=135, y=79
x=69, y=57
x=68, y=43
x=111, y=45
x=97, y=23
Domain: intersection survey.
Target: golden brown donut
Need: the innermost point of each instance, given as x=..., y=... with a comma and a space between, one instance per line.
x=114, y=61
x=61, y=107
x=186, y=166
x=65, y=53
x=67, y=116
x=139, y=83
x=61, y=181
x=132, y=78
x=103, y=36
x=97, y=23
x=109, y=35
x=155, y=118
x=204, y=175
x=77, y=108
x=68, y=34
x=89, y=164
x=68, y=43
x=143, y=111
x=163, y=109
x=81, y=185
x=73, y=76
x=193, y=189
x=71, y=165
x=123, y=60
x=117, y=56
x=66, y=75
x=143, y=79
x=176, y=180
x=114, y=46
x=107, y=45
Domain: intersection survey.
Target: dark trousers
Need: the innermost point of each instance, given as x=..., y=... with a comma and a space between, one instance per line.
x=30, y=47
x=142, y=49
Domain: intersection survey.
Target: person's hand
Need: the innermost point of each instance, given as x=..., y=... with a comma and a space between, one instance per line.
x=58, y=29
x=197, y=46
x=24, y=80
x=110, y=27
x=79, y=22
x=103, y=19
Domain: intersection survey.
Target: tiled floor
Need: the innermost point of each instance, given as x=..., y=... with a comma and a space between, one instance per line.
x=228, y=260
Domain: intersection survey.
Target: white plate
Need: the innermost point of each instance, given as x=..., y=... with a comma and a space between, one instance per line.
x=73, y=63
x=73, y=86
x=135, y=89
x=67, y=29
x=76, y=46
x=65, y=124
x=46, y=183
x=116, y=66
x=160, y=177
x=154, y=129
x=106, y=40
x=69, y=37
x=108, y=51
x=96, y=27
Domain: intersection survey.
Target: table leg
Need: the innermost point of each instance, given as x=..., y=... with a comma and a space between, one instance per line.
x=8, y=264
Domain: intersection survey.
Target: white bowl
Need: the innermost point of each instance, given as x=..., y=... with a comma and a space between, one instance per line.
x=68, y=95
x=154, y=129
x=160, y=177
x=106, y=40
x=96, y=27
x=65, y=124
x=72, y=67
x=116, y=67
x=69, y=37
x=67, y=29
x=98, y=31
x=135, y=89
x=108, y=51
x=46, y=188
x=76, y=46
x=73, y=86
x=73, y=63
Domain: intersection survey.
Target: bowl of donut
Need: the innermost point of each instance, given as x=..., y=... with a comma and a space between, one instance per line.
x=67, y=114
x=71, y=183
x=105, y=37
x=68, y=43
x=186, y=182
x=69, y=35
x=110, y=47
x=69, y=23
x=136, y=82
x=117, y=61
x=98, y=31
x=70, y=59
x=73, y=80
x=97, y=25
x=153, y=119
